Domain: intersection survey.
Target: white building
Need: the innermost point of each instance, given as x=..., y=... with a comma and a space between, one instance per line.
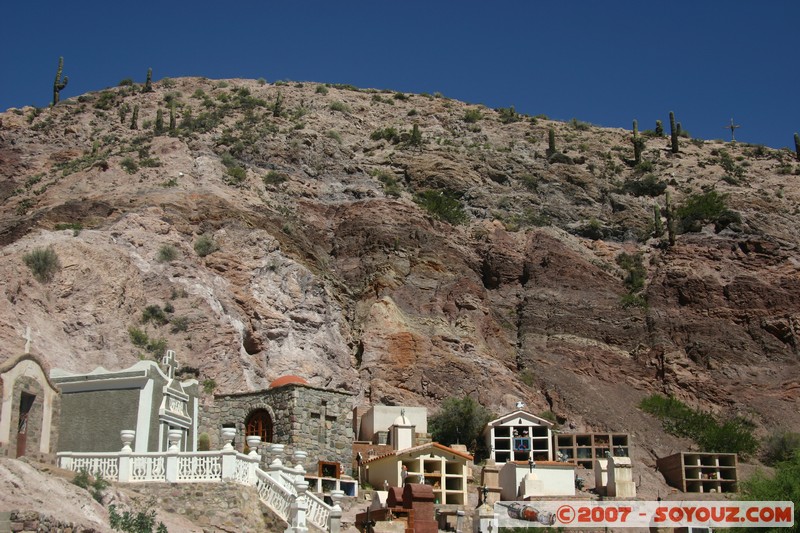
x=521, y=480
x=434, y=464
x=375, y=425
x=519, y=436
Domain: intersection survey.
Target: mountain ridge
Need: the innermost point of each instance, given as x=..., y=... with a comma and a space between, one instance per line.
x=329, y=264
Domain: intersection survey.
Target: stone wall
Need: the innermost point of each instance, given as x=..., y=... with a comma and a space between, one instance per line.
x=311, y=419
x=211, y=506
x=92, y=420
x=33, y=522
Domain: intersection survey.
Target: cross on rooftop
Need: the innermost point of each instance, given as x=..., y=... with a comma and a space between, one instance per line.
x=171, y=363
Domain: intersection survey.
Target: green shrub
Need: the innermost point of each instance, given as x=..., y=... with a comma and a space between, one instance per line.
x=335, y=135
x=43, y=262
x=179, y=323
x=649, y=185
x=636, y=273
x=472, y=115
x=782, y=485
x=153, y=313
x=732, y=436
x=339, y=106
x=235, y=175
x=390, y=185
x=633, y=300
x=780, y=446
x=138, y=337
x=559, y=158
x=460, y=421
x=140, y=522
x=203, y=442
x=129, y=165
x=389, y=134
x=274, y=178
x=76, y=227
x=443, y=205
x=580, y=125
x=95, y=486
x=508, y=115
x=709, y=207
x=167, y=253
x=205, y=245
x=321, y=89
x=209, y=385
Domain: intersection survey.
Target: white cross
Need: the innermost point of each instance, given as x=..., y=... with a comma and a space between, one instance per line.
x=170, y=362
x=27, y=338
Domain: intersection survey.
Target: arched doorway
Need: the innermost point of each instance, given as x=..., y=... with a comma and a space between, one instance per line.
x=259, y=423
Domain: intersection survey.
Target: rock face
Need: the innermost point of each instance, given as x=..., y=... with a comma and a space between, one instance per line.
x=325, y=266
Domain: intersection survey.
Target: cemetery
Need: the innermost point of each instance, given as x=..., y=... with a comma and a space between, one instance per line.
x=307, y=449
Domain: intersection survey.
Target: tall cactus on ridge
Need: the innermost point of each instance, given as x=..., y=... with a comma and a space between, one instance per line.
x=638, y=143
x=551, y=142
x=673, y=132
x=670, y=221
x=59, y=83
x=148, y=84
x=797, y=145
x=172, y=119
x=135, y=118
x=658, y=227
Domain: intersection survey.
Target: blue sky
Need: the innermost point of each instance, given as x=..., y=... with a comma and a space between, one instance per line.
x=604, y=62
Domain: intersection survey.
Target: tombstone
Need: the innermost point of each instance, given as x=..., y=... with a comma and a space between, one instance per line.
x=601, y=476
x=531, y=486
x=394, y=497
x=379, y=500
x=420, y=498
x=402, y=432
x=620, y=478
x=96, y=406
x=490, y=478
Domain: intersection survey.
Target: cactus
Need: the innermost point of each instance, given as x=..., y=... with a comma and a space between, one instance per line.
x=123, y=112
x=673, y=132
x=148, y=85
x=159, y=126
x=59, y=83
x=678, y=128
x=172, y=118
x=670, y=221
x=658, y=227
x=551, y=142
x=797, y=145
x=135, y=118
x=416, y=136
x=659, y=128
x=277, y=107
x=638, y=143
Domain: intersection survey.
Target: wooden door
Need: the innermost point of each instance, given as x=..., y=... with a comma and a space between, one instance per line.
x=25, y=404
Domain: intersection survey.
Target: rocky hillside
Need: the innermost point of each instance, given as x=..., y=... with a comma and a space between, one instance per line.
x=405, y=247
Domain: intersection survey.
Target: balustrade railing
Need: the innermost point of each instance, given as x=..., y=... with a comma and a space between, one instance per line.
x=200, y=466
x=281, y=488
x=147, y=467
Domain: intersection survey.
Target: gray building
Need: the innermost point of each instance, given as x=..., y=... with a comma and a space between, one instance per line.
x=290, y=412
x=97, y=405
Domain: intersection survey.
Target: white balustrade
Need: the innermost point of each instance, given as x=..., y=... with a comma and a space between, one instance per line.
x=147, y=467
x=199, y=466
x=281, y=488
